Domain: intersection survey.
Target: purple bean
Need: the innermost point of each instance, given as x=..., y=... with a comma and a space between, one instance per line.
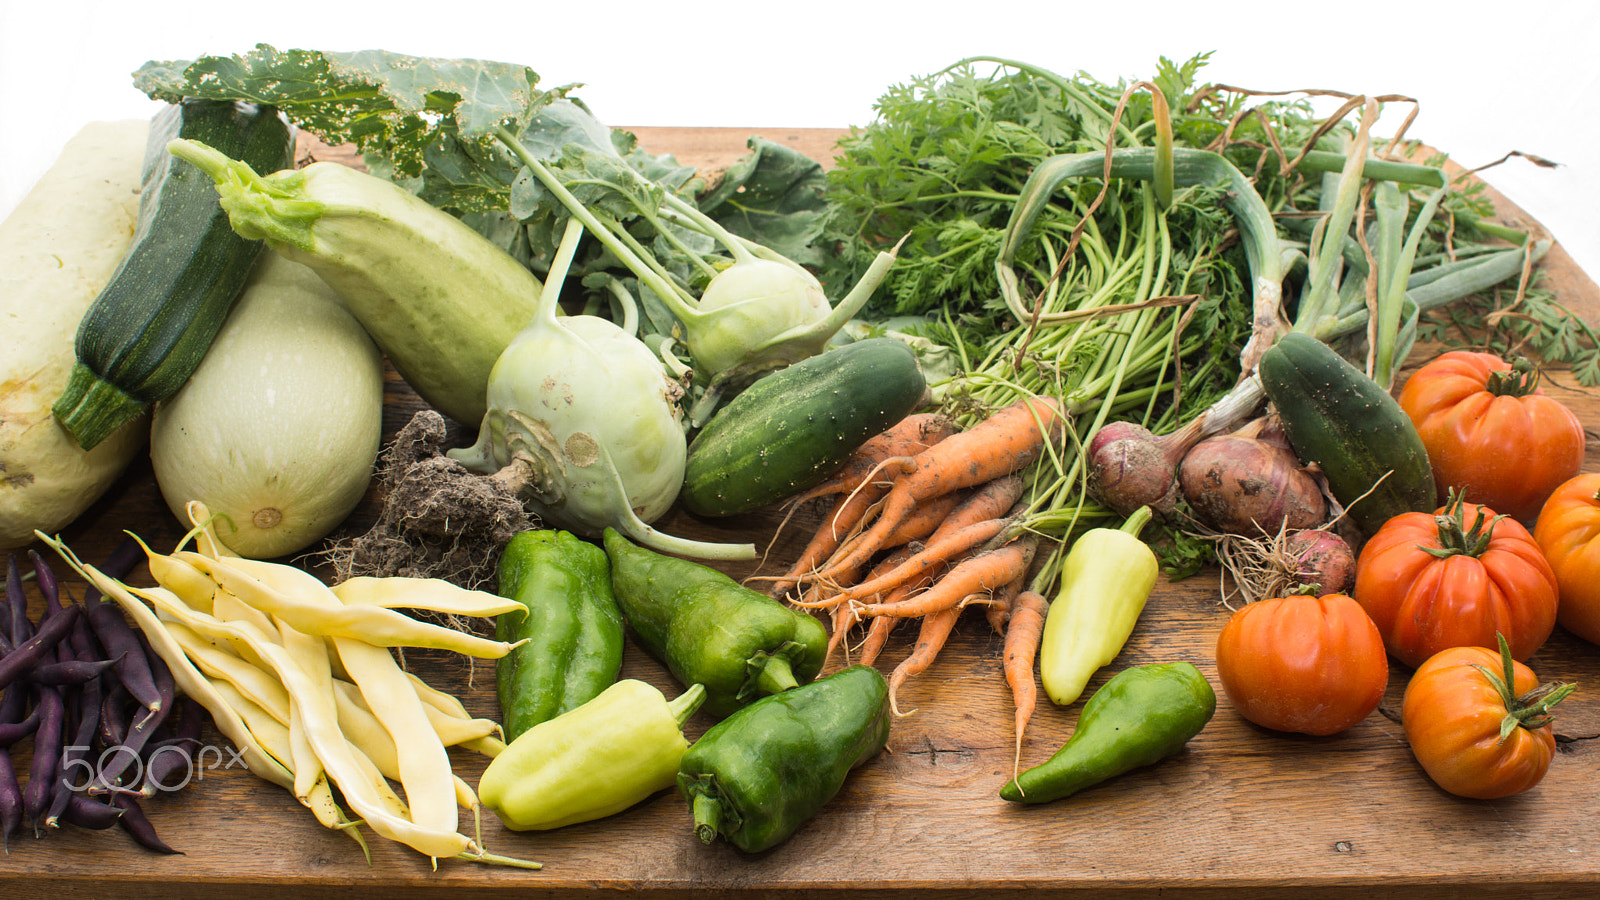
x=114, y=715
x=29, y=653
x=74, y=754
x=10, y=799
x=11, y=732
x=70, y=671
x=121, y=561
x=138, y=826
x=47, y=585
x=18, y=627
x=87, y=813
x=46, y=754
x=120, y=640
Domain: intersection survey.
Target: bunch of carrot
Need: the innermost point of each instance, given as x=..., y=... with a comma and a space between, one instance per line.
x=928, y=519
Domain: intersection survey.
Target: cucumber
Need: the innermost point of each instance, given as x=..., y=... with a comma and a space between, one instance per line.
x=790, y=430
x=1344, y=422
x=152, y=324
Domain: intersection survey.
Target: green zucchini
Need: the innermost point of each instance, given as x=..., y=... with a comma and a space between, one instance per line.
x=149, y=328
x=790, y=430
x=1354, y=430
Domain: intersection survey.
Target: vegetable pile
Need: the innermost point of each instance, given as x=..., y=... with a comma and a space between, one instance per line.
x=1086, y=335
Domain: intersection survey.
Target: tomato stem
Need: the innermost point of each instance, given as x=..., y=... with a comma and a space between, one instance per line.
x=1520, y=380
x=1532, y=709
x=1455, y=538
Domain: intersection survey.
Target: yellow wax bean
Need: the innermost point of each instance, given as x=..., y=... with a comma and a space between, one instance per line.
x=322, y=729
x=185, y=675
x=252, y=682
x=425, y=771
x=319, y=612
x=370, y=738
x=311, y=653
x=268, y=730
x=181, y=578
x=431, y=594
x=204, y=534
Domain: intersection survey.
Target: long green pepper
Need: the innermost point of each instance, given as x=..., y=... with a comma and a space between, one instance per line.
x=572, y=628
x=709, y=629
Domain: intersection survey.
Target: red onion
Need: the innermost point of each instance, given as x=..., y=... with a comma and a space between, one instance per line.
x=1322, y=558
x=1250, y=482
x=1131, y=467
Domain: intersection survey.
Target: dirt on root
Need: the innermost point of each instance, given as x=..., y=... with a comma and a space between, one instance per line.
x=437, y=519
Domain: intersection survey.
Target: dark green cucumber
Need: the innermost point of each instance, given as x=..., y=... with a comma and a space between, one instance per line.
x=149, y=328
x=790, y=430
x=1354, y=430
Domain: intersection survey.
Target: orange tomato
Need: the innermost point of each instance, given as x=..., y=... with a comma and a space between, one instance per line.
x=1491, y=432
x=1568, y=532
x=1479, y=723
x=1455, y=579
x=1306, y=664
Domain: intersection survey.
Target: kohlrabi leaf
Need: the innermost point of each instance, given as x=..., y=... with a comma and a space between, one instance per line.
x=387, y=103
x=773, y=195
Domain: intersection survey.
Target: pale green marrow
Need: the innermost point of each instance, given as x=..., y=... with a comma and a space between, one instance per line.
x=278, y=429
x=439, y=299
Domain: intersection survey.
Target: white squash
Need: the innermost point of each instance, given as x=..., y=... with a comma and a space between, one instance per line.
x=278, y=429
x=58, y=249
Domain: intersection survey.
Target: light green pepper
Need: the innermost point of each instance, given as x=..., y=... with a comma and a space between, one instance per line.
x=1105, y=582
x=594, y=761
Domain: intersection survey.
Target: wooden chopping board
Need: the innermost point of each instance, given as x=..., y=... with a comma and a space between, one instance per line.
x=1242, y=812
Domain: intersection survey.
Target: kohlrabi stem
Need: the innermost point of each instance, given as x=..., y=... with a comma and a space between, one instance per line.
x=670, y=294
x=709, y=226
x=549, y=299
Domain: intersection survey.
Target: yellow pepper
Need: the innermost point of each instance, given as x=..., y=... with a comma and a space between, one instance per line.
x=1105, y=582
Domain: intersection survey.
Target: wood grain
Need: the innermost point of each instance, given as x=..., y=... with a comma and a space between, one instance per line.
x=1241, y=813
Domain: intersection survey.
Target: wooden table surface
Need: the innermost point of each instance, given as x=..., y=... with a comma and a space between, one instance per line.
x=1241, y=813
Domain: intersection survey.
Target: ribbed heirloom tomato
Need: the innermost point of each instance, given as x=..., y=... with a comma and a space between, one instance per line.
x=1306, y=664
x=1479, y=723
x=1568, y=531
x=1491, y=432
x=1455, y=579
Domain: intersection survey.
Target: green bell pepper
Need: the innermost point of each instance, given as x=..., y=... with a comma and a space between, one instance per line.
x=597, y=760
x=572, y=628
x=709, y=629
x=1140, y=717
x=758, y=775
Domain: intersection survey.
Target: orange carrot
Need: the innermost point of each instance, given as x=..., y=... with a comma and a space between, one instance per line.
x=931, y=639
x=978, y=574
x=877, y=636
x=1005, y=442
x=846, y=615
x=855, y=494
x=878, y=631
x=1021, y=648
x=1001, y=604
x=908, y=437
x=977, y=519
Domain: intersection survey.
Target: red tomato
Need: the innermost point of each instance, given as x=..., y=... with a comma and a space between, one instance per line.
x=1568, y=531
x=1491, y=432
x=1454, y=713
x=1312, y=665
x=1455, y=579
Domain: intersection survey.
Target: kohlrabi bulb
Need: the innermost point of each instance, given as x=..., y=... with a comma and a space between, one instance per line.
x=748, y=304
x=592, y=410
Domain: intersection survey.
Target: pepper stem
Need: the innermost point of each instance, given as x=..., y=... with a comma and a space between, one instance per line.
x=774, y=675
x=707, y=817
x=685, y=704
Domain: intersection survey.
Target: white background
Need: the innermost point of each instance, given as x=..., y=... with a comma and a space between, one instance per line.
x=1490, y=79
